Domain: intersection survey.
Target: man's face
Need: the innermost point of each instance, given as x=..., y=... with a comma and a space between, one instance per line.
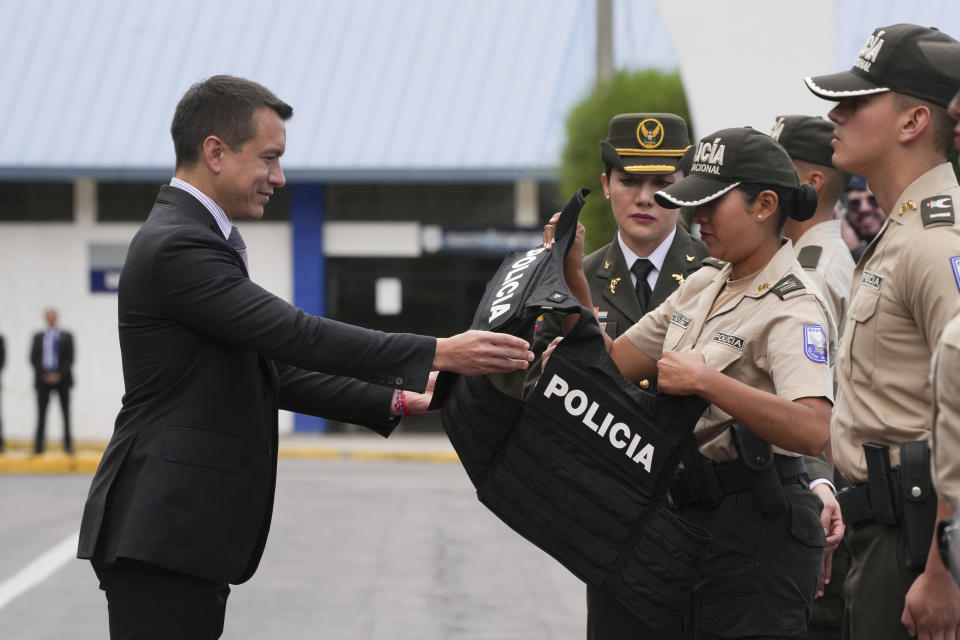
x=866, y=130
x=641, y=220
x=863, y=213
x=50, y=315
x=249, y=176
x=954, y=110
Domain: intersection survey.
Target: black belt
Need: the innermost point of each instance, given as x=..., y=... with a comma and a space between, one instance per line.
x=735, y=477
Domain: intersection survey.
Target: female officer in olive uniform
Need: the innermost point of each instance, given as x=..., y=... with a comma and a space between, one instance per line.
x=752, y=335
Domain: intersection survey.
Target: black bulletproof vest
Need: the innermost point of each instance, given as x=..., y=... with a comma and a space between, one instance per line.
x=580, y=467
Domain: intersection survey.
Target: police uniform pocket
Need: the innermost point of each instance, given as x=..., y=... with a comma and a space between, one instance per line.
x=720, y=355
x=805, y=525
x=861, y=333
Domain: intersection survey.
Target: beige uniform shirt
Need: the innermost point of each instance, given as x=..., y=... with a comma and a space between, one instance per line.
x=946, y=425
x=905, y=290
x=834, y=271
x=779, y=346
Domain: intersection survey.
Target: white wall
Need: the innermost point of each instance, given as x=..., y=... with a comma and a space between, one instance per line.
x=45, y=265
x=743, y=61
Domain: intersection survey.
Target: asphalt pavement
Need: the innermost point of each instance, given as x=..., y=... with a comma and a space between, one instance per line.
x=371, y=539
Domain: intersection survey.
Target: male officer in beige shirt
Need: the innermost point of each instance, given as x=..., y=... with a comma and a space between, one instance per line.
x=817, y=242
x=946, y=365
x=894, y=130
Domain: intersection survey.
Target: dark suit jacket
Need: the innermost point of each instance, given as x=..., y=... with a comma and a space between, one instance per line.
x=64, y=359
x=187, y=480
x=605, y=267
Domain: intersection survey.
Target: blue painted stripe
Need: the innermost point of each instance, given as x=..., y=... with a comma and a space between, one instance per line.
x=309, y=268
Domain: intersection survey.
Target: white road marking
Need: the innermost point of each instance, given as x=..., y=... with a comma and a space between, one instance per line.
x=39, y=570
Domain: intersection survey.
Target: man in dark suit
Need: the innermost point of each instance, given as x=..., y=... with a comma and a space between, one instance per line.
x=181, y=503
x=51, y=355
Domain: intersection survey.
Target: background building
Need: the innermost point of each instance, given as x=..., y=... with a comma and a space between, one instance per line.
x=423, y=146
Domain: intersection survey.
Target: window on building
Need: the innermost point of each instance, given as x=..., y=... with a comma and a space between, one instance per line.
x=132, y=201
x=36, y=201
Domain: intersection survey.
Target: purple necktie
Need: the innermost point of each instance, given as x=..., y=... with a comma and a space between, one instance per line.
x=235, y=240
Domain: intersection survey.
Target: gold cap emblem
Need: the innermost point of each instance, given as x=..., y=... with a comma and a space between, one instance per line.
x=650, y=133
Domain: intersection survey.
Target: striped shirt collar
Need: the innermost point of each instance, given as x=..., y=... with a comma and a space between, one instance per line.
x=218, y=214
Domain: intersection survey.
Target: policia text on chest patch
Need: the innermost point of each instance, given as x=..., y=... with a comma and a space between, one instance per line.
x=582, y=466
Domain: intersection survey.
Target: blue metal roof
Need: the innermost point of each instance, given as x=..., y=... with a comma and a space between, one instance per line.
x=381, y=89
x=396, y=87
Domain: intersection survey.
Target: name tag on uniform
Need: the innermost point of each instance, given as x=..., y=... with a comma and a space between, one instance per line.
x=871, y=280
x=680, y=320
x=729, y=339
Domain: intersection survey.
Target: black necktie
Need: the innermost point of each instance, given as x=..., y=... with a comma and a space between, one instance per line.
x=641, y=269
x=235, y=240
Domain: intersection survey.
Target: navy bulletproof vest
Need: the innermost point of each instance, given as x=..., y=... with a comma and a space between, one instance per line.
x=582, y=465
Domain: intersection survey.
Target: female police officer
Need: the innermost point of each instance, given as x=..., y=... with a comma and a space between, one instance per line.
x=749, y=333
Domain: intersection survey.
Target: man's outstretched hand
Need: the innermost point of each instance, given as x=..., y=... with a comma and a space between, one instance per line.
x=475, y=353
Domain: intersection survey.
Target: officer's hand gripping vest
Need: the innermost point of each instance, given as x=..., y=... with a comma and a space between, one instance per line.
x=582, y=466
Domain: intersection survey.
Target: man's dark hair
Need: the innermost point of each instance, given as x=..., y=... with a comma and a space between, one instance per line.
x=940, y=118
x=221, y=106
x=835, y=180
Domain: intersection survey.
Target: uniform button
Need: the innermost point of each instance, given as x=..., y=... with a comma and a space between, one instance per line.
x=916, y=492
x=644, y=384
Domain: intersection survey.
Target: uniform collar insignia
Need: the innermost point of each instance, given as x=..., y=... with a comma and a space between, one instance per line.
x=909, y=205
x=606, y=265
x=678, y=277
x=690, y=258
x=613, y=285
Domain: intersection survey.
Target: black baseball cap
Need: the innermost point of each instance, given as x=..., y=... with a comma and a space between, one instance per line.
x=645, y=143
x=891, y=60
x=725, y=159
x=945, y=57
x=805, y=138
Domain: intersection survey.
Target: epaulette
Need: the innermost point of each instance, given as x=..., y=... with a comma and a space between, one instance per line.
x=787, y=284
x=937, y=210
x=809, y=256
x=713, y=262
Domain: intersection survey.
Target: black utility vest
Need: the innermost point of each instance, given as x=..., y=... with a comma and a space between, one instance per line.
x=582, y=465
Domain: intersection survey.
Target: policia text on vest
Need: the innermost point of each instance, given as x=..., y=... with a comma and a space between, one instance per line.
x=582, y=467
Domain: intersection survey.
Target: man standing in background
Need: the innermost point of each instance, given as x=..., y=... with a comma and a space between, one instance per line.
x=52, y=358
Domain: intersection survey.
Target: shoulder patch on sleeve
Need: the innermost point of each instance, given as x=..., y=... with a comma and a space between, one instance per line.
x=787, y=284
x=713, y=262
x=955, y=267
x=809, y=256
x=936, y=210
x=815, y=343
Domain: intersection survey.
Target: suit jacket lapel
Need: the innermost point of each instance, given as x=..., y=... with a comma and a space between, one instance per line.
x=675, y=264
x=619, y=291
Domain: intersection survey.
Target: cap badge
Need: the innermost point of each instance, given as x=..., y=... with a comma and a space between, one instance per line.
x=909, y=205
x=870, y=51
x=709, y=157
x=613, y=285
x=777, y=129
x=678, y=277
x=650, y=133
